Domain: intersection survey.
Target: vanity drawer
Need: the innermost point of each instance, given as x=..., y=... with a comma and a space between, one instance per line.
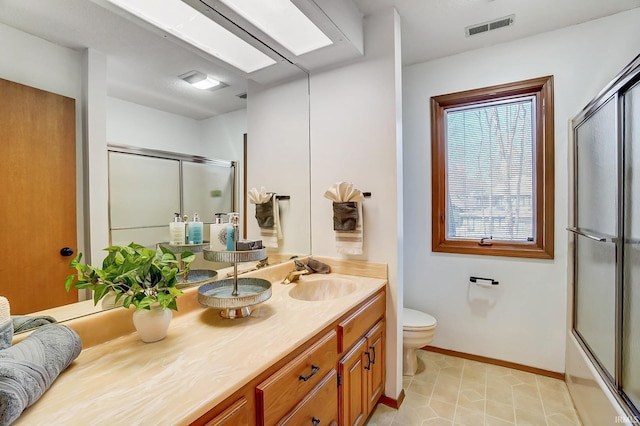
x=237, y=414
x=283, y=390
x=354, y=327
x=319, y=408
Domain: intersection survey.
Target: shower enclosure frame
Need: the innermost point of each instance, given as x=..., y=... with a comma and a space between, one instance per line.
x=628, y=78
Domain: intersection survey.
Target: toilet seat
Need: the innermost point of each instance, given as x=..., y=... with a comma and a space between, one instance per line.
x=417, y=320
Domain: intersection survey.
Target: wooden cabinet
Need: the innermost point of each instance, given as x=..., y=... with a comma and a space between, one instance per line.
x=333, y=379
x=362, y=369
x=363, y=377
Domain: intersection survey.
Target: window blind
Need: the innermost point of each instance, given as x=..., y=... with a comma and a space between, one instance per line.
x=490, y=171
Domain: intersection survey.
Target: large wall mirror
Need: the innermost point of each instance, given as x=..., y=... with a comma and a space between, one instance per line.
x=258, y=122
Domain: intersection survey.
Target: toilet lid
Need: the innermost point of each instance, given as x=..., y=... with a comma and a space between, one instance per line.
x=413, y=319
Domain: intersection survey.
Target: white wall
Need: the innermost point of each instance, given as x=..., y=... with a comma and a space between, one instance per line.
x=144, y=127
x=523, y=319
x=221, y=136
x=354, y=128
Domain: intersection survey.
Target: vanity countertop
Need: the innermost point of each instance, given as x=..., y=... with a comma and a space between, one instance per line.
x=202, y=361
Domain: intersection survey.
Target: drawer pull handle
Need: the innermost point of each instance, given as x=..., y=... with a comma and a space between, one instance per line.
x=315, y=421
x=314, y=370
x=368, y=366
x=373, y=349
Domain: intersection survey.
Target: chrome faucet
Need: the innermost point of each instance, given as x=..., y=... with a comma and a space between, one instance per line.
x=294, y=275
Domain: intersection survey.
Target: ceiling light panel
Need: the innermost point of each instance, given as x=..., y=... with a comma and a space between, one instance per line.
x=188, y=24
x=282, y=21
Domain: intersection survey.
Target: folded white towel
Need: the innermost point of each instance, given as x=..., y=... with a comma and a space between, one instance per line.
x=348, y=242
x=6, y=325
x=269, y=236
x=5, y=310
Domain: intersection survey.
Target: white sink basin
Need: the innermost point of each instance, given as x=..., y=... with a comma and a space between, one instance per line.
x=322, y=288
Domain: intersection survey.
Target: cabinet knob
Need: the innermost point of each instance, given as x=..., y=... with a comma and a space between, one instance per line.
x=66, y=251
x=314, y=421
x=373, y=349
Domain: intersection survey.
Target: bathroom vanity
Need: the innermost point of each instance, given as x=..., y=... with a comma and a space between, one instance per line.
x=318, y=357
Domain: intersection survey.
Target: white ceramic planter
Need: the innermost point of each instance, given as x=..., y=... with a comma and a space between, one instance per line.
x=152, y=324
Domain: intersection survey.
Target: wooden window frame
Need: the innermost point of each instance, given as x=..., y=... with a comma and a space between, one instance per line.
x=542, y=248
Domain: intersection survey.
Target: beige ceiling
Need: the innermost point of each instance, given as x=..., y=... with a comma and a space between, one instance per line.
x=143, y=65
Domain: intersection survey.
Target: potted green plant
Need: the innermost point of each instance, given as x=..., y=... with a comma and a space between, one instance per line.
x=139, y=277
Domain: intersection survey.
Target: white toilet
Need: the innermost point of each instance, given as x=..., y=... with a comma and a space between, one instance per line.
x=418, y=330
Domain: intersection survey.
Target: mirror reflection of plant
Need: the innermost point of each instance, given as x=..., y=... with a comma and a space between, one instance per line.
x=138, y=276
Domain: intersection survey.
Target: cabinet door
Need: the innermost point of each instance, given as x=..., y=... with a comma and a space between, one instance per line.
x=236, y=415
x=353, y=390
x=375, y=366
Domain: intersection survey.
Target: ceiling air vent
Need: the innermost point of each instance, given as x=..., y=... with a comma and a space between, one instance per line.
x=489, y=26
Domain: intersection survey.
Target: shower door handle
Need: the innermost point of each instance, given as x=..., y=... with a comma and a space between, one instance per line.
x=601, y=238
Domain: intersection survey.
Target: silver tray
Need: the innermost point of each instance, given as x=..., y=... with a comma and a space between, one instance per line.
x=180, y=248
x=197, y=277
x=234, y=256
x=218, y=294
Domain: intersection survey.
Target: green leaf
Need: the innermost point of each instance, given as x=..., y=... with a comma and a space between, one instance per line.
x=76, y=260
x=68, y=282
x=187, y=257
x=98, y=292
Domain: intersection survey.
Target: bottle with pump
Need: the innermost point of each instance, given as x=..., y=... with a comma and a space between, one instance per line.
x=185, y=219
x=232, y=227
x=195, y=230
x=218, y=234
x=176, y=231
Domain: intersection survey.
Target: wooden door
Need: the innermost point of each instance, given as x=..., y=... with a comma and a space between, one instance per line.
x=38, y=201
x=376, y=379
x=353, y=398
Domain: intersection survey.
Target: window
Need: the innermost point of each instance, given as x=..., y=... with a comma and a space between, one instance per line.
x=492, y=170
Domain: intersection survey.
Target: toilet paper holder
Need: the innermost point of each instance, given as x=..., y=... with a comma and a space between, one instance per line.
x=483, y=281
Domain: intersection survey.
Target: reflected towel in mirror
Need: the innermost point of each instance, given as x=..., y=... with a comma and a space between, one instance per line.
x=269, y=235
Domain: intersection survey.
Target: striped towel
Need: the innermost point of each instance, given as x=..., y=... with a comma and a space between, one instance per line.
x=348, y=242
x=269, y=236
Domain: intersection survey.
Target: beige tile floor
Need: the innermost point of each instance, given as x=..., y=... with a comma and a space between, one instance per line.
x=452, y=391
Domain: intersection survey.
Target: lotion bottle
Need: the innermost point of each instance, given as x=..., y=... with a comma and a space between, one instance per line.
x=231, y=234
x=176, y=231
x=218, y=234
x=185, y=220
x=195, y=230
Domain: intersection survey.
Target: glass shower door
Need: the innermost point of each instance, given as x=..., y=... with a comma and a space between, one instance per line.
x=631, y=300
x=596, y=226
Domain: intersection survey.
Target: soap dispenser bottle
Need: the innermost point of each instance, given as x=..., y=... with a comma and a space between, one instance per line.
x=231, y=231
x=218, y=234
x=176, y=231
x=195, y=230
x=185, y=219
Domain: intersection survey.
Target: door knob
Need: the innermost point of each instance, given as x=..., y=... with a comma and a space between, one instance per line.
x=66, y=251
